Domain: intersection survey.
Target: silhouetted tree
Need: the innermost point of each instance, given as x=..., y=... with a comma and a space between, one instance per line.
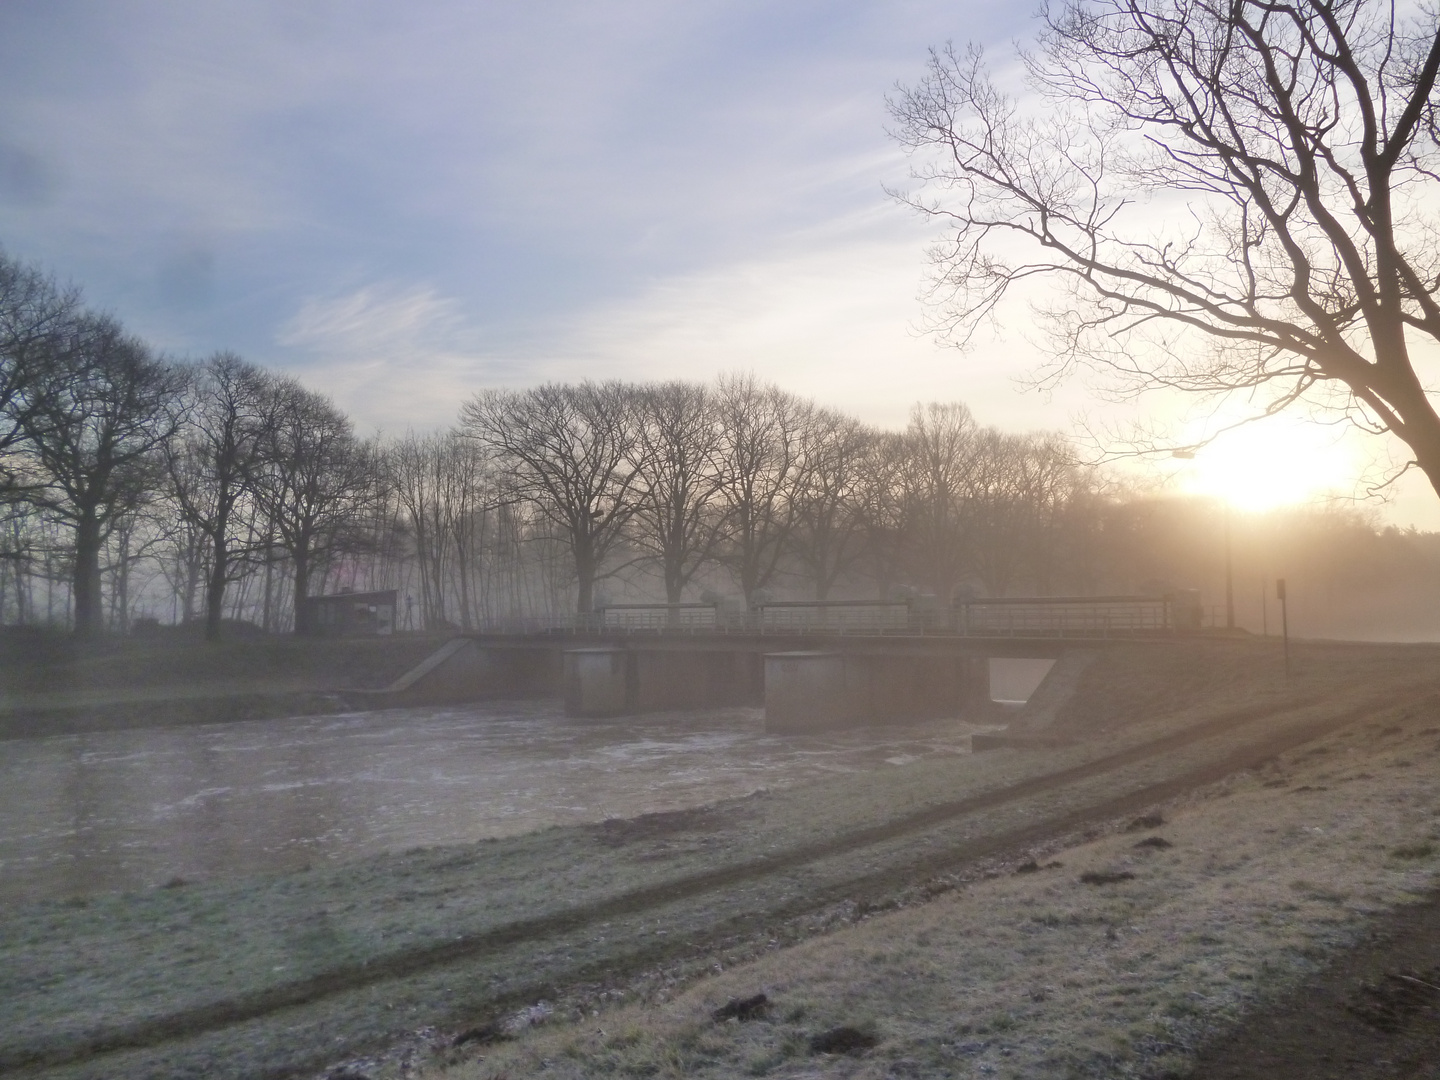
x=940, y=456
x=763, y=465
x=315, y=480
x=215, y=462
x=829, y=535
x=680, y=475
x=1237, y=194
x=99, y=409
x=573, y=451
x=36, y=317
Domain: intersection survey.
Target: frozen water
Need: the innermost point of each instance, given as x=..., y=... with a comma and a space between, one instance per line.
x=132, y=809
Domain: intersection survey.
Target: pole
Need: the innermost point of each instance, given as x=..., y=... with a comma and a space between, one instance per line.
x=1229, y=575
x=1284, y=621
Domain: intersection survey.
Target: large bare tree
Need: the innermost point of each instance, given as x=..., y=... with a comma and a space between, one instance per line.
x=679, y=516
x=1239, y=196
x=35, y=317
x=215, y=463
x=99, y=408
x=762, y=463
x=573, y=451
x=942, y=453
x=315, y=483
x=831, y=531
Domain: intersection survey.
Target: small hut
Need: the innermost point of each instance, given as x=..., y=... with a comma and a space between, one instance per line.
x=350, y=614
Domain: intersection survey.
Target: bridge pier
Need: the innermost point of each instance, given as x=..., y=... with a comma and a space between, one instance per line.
x=598, y=681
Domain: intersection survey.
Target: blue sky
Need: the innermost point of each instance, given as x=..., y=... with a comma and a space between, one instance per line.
x=402, y=204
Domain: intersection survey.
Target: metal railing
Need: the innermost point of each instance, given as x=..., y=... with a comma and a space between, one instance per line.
x=833, y=616
x=1059, y=616
x=1070, y=616
x=656, y=617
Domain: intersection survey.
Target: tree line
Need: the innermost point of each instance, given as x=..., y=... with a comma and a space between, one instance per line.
x=133, y=485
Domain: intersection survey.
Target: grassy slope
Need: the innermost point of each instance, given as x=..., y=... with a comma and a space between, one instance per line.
x=1041, y=975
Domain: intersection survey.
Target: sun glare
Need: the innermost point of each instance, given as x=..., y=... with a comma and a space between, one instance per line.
x=1271, y=463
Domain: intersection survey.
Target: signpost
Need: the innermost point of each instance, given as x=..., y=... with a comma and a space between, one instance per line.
x=1284, y=621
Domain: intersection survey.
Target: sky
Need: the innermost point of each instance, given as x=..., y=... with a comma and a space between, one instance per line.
x=403, y=204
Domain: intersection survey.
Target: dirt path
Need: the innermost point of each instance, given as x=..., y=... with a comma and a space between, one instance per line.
x=729, y=904
x=1372, y=1014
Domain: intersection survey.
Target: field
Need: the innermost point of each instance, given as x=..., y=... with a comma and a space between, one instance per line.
x=1209, y=837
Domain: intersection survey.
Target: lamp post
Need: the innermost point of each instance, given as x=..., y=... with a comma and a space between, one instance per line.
x=1189, y=455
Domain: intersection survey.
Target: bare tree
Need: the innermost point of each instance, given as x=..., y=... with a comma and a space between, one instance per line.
x=469, y=495
x=762, y=461
x=98, y=413
x=1239, y=195
x=35, y=318
x=413, y=470
x=830, y=507
x=215, y=463
x=678, y=517
x=573, y=452
x=881, y=495
x=941, y=454
x=316, y=478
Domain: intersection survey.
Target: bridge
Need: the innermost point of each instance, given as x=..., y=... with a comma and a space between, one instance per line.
x=813, y=665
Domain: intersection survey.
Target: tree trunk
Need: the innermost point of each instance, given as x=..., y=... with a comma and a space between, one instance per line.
x=302, y=590
x=88, y=614
x=122, y=585
x=585, y=579
x=674, y=581
x=215, y=587
x=265, y=618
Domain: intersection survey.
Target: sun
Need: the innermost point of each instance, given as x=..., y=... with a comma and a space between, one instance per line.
x=1271, y=463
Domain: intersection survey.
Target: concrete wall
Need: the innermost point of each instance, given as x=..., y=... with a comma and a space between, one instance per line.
x=806, y=691
x=667, y=679
x=464, y=670
x=613, y=681
x=815, y=691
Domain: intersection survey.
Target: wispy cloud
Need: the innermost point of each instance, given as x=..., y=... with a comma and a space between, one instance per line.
x=834, y=318
x=376, y=323
x=394, y=356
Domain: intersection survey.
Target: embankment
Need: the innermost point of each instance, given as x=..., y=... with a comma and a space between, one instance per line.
x=51, y=684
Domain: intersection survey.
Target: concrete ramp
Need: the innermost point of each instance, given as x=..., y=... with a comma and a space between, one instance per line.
x=1043, y=706
x=464, y=670
x=439, y=657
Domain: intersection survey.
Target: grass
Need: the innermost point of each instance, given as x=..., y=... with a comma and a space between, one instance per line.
x=1036, y=975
